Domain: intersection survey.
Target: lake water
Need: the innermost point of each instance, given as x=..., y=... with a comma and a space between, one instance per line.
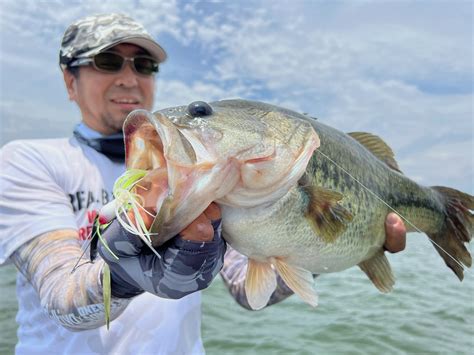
x=429, y=312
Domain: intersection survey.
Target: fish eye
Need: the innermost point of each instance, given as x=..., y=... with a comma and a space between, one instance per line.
x=199, y=109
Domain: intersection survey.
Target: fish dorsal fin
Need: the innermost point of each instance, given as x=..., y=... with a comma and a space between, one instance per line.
x=325, y=215
x=379, y=271
x=260, y=283
x=299, y=280
x=377, y=147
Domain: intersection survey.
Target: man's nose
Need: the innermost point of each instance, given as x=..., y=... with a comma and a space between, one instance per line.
x=127, y=76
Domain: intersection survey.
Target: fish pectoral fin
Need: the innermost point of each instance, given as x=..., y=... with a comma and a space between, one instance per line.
x=377, y=147
x=379, y=271
x=325, y=215
x=299, y=280
x=260, y=283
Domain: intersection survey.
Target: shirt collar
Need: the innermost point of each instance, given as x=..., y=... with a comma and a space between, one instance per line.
x=87, y=132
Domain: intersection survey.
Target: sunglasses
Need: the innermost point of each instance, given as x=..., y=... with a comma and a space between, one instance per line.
x=110, y=62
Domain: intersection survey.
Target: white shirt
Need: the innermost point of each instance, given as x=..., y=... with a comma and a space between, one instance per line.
x=53, y=184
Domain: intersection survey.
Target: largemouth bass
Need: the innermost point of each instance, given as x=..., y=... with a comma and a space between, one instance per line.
x=297, y=197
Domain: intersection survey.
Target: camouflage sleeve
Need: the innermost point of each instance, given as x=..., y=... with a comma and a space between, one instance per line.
x=182, y=267
x=73, y=299
x=234, y=272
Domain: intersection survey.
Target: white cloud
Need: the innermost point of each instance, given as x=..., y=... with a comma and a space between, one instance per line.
x=285, y=57
x=32, y=18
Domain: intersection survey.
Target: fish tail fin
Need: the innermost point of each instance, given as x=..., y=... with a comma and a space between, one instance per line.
x=457, y=230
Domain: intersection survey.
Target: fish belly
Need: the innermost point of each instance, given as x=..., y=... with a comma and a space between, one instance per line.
x=282, y=231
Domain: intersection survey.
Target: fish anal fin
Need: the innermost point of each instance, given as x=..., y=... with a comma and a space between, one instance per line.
x=377, y=147
x=325, y=215
x=379, y=271
x=299, y=280
x=260, y=283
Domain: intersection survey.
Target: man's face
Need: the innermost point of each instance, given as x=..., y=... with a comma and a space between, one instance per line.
x=105, y=99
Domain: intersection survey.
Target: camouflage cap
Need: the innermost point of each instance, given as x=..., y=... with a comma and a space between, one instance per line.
x=93, y=34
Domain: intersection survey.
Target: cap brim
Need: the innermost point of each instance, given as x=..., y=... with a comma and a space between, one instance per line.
x=155, y=50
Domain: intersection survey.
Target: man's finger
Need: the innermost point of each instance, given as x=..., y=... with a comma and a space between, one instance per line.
x=199, y=230
x=213, y=212
x=395, y=233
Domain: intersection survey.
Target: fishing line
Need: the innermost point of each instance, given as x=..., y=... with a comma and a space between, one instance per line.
x=84, y=248
x=390, y=207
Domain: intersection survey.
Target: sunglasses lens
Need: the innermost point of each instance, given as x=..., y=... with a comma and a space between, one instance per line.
x=109, y=62
x=112, y=63
x=145, y=65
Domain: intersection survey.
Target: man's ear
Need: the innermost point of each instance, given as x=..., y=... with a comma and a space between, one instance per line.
x=71, y=84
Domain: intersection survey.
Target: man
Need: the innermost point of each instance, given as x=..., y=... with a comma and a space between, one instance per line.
x=52, y=189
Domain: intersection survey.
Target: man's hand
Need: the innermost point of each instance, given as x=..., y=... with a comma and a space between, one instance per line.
x=395, y=233
x=186, y=264
x=201, y=229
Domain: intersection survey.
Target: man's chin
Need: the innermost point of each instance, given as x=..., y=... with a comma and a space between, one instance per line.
x=115, y=125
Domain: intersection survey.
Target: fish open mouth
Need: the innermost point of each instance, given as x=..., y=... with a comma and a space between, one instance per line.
x=145, y=151
x=177, y=168
x=144, y=147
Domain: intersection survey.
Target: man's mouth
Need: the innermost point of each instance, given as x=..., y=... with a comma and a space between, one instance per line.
x=126, y=103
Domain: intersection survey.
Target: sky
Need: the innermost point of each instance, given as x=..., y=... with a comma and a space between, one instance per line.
x=402, y=70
